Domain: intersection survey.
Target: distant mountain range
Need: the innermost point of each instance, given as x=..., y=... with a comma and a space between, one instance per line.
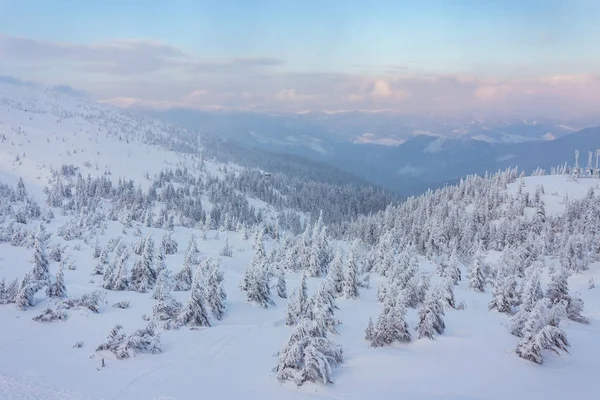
x=407, y=154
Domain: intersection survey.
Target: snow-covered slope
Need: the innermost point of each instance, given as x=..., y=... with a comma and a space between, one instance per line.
x=474, y=357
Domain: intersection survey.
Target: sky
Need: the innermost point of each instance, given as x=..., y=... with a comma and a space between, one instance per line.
x=452, y=56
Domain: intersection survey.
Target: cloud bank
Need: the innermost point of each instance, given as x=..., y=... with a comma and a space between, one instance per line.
x=148, y=73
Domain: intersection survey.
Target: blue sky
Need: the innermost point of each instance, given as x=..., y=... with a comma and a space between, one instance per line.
x=493, y=41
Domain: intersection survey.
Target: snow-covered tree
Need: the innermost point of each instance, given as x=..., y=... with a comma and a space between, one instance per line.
x=258, y=289
x=215, y=292
x=477, y=278
x=336, y=272
x=168, y=244
x=370, y=330
x=102, y=262
x=505, y=290
x=194, y=312
x=558, y=291
x=308, y=356
x=391, y=324
x=292, y=314
x=323, y=309
x=41, y=265
x=57, y=288
x=540, y=334
x=281, y=284
x=184, y=278
x=431, y=322
x=350, y=283
x=143, y=275
x=26, y=296
x=226, y=251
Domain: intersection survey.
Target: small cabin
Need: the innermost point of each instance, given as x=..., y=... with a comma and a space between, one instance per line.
x=267, y=176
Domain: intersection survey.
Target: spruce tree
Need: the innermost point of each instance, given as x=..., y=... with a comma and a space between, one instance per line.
x=194, y=312
x=215, y=292
x=477, y=277
x=336, y=272
x=41, y=265
x=351, y=276
x=281, y=284
x=57, y=288
x=431, y=322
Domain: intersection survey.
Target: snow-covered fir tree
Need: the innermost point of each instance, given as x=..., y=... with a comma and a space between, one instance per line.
x=281, y=284
x=215, y=291
x=336, y=273
x=541, y=332
x=431, y=322
x=195, y=311
x=57, y=288
x=308, y=356
x=41, y=265
x=184, y=278
x=143, y=275
x=350, y=283
x=391, y=324
x=477, y=276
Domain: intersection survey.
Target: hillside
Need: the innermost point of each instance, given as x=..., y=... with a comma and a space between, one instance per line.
x=203, y=264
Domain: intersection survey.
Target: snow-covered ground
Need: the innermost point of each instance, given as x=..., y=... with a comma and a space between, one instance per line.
x=235, y=357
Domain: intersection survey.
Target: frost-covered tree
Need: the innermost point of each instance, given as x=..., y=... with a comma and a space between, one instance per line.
x=447, y=293
x=558, y=291
x=370, y=330
x=477, y=278
x=336, y=272
x=292, y=314
x=308, y=356
x=184, y=278
x=323, y=309
x=350, y=283
x=541, y=332
x=57, y=288
x=258, y=289
x=102, y=262
x=41, y=265
x=215, y=291
x=26, y=296
x=391, y=324
x=143, y=275
x=168, y=244
x=163, y=285
x=431, y=322
x=226, y=251
x=194, y=312
x=505, y=290
x=281, y=284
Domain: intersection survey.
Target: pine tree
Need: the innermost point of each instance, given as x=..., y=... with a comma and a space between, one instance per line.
x=308, y=356
x=226, y=251
x=431, y=322
x=302, y=303
x=258, y=288
x=370, y=330
x=143, y=275
x=184, y=278
x=447, y=293
x=194, y=312
x=102, y=262
x=163, y=285
x=540, y=333
x=281, y=285
x=3, y=296
x=26, y=295
x=351, y=276
x=505, y=291
x=12, y=291
x=57, y=288
x=323, y=309
x=477, y=277
x=292, y=314
x=41, y=265
x=215, y=292
x=168, y=244
x=391, y=325
x=336, y=272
